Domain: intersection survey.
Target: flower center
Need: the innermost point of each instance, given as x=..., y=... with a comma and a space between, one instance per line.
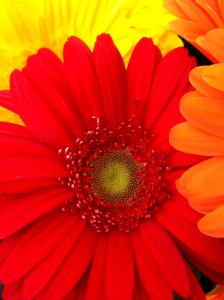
x=117, y=176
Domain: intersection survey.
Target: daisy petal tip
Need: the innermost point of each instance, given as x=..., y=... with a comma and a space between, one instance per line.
x=74, y=41
x=212, y=224
x=181, y=51
x=45, y=51
x=15, y=75
x=104, y=39
x=174, y=137
x=181, y=188
x=195, y=74
x=147, y=41
x=216, y=233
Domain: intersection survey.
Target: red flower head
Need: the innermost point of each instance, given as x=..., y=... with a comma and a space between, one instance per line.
x=89, y=208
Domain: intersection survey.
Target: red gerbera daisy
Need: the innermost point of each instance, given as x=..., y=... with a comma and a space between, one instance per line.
x=88, y=208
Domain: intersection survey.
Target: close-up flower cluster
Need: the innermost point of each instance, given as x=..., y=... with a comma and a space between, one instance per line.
x=112, y=150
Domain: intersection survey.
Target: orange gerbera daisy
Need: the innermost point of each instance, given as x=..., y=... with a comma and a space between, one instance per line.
x=201, y=22
x=88, y=208
x=203, y=133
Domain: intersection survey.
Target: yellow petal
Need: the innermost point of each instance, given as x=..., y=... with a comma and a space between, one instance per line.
x=187, y=138
x=9, y=116
x=30, y=25
x=213, y=223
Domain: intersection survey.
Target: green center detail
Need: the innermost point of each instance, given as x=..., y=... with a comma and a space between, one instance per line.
x=114, y=176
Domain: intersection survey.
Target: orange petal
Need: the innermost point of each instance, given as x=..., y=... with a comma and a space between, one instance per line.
x=213, y=42
x=216, y=294
x=187, y=138
x=187, y=29
x=213, y=223
x=195, y=13
x=196, y=79
x=203, y=184
x=174, y=8
x=204, y=113
x=213, y=76
x=213, y=9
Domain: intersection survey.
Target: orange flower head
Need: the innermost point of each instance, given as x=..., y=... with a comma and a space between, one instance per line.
x=203, y=134
x=201, y=22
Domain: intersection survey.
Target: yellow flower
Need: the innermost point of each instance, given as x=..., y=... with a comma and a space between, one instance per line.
x=30, y=25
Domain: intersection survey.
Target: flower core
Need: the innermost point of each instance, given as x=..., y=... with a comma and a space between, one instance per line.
x=117, y=176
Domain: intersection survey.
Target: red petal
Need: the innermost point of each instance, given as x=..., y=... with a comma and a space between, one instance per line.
x=167, y=256
x=55, y=70
x=8, y=243
x=96, y=281
x=119, y=267
x=140, y=72
x=149, y=272
x=196, y=290
x=81, y=287
x=27, y=185
x=39, y=241
x=28, y=167
x=14, y=130
x=171, y=178
x=40, y=276
x=178, y=160
x=170, y=82
x=167, y=90
x=71, y=296
x=17, y=212
x=36, y=112
x=179, y=206
x=111, y=75
x=208, y=268
x=208, y=250
x=12, y=146
x=13, y=291
x=139, y=290
x=6, y=100
x=72, y=268
x=16, y=141
x=78, y=61
x=44, y=72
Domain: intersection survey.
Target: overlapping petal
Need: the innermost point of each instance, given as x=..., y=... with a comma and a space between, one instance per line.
x=203, y=134
x=201, y=22
x=30, y=25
